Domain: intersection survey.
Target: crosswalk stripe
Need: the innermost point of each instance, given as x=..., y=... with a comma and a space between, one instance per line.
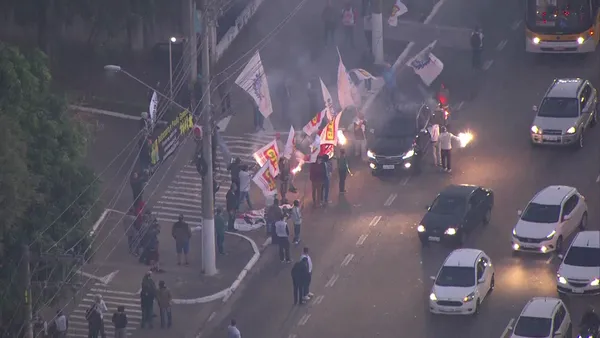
x=174, y=215
x=184, y=199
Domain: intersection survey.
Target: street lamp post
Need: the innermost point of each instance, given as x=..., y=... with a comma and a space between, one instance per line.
x=172, y=40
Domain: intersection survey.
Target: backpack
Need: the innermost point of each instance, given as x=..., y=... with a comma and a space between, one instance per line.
x=348, y=17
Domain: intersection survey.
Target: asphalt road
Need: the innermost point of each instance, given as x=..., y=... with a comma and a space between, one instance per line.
x=372, y=278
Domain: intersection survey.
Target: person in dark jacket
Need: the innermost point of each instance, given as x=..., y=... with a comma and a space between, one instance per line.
x=231, y=200
x=299, y=280
x=317, y=178
x=284, y=177
x=273, y=215
x=343, y=170
x=220, y=230
x=119, y=320
x=147, y=296
x=234, y=170
x=182, y=233
x=137, y=187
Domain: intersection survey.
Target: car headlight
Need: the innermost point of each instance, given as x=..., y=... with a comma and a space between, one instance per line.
x=571, y=130
x=409, y=154
x=536, y=40
x=536, y=130
x=514, y=231
x=370, y=154
x=551, y=234
x=595, y=282
x=450, y=231
x=433, y=297
x=469, y=297
x=561, y=279
x=421, y=228
x=580, y=40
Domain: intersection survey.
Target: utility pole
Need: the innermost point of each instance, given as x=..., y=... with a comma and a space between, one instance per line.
x=28, y=315
x=193, y=47
x=209, y=266
x=377, y=31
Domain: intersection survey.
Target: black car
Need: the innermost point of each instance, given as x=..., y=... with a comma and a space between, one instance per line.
x=456, y=211
x=397, y=142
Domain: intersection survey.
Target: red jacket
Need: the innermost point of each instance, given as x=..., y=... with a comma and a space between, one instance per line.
x=317, y=172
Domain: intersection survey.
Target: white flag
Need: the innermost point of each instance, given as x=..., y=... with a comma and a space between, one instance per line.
x=329, y=133
x=313, y=125
x=427, y=65
x=254, y=81
x=290, y=145
x=265, y=180
x=345, y=87
x=153, y=108
x=398, y=10
x=268, y=154
x=362, y=74
x=328, y=101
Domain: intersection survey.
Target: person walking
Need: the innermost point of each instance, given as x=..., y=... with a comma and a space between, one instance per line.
x=147, y=296
x=297, y=219
x=329, y=18
x=445, y=140
x=317, y=178
x=283, y=233
x=299, y=277
x=61, y=325
x=182, y=233
x=359, y=126
x=220, y=230
x=119, y=320
x=434, y=132
x=305, y=255
x=164, y=300
x=349, y=16
x=233, y=331
x=476, y=47
x=245, y=179
x=92, y=315
x=343, y=170
x=101, y=308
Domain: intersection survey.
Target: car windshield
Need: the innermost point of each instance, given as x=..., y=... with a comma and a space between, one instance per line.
x=460, y=276
x=397, y=128
x=533, y=327
x=580, y=256
x=559, y=16
x=559, y=107
x=448, y=205
x=541, y=213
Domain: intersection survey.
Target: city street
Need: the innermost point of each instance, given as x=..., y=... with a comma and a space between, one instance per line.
x=371, y=277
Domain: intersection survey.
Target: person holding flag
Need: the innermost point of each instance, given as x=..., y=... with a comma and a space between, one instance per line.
x=359, y=128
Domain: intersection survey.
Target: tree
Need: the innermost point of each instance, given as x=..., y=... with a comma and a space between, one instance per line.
x=41, y=173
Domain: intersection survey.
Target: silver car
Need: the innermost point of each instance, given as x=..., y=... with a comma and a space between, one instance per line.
x=568, y=108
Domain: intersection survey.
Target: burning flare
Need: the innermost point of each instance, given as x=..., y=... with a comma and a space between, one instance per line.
x=341, y=137
x=465, y=139
x=298, y=168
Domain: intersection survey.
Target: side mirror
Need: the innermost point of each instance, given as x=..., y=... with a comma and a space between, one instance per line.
x=558, y=334
x=481, y=280
x=567, y=217
x=427, y=207
x=432, y=278
x=519, y=212
x=560, y=256
x=534, y=108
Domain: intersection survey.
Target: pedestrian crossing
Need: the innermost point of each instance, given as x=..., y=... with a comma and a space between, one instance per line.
x=78, y=325
x=184, y=193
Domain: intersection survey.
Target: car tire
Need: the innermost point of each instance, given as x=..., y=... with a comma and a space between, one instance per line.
x=583, y=222
x=487, y=217
x=477, y=305
x=559, y=244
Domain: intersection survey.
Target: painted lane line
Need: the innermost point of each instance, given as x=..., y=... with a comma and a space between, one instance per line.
x=488, y=64
x=361, y=239
x=405, y=181
x=332, y=280
x=507, y=328
x=550, y=259
x=460, y=105
x=374, y=221
x=212, y=316
x=390, y=200
x=501, y=45
x=292, y=335
x=318, y=300
x=304, y=319
x=347, y=259
x=516, y=24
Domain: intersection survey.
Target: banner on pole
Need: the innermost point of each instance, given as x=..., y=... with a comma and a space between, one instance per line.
x=253, y=80
x=329, y=133
x=265, y=180
x=313, y=125
x=171, y=137
x=328, y=101
x=290, y=145
x=427, y=65
x=397, y=10
x=346, y=89
x=152, y=110
x=269, y=154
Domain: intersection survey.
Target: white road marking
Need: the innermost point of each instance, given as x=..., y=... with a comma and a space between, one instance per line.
x=405, y=181
x=304, y=319
x=361, y=239
x=292, y=335
x=212, y=316
x=390, y=200
x=488, y=64
x=318, y=300
x=332, y=280
x=347, y=259
x=516, y=24
x=550, y=259
x=374, y=221
x=185, y=177
x=501, y=45
x=507, y=328
x=460, y=105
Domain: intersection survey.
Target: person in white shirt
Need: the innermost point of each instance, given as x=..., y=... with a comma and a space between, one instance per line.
x=308, y=294
x=434, y=131
x=445, y=140
x=233, y=331
x=283, y=232
x=359, y=131
x=297, y=219
x=245, y=179
x=101, y=308
x=61, y=323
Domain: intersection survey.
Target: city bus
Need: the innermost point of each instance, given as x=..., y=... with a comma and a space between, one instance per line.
x=562, y=26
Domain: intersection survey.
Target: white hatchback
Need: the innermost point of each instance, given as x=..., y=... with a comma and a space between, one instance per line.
x=463, y=282
x=543, y=317
x=549, y=218
x=579, y=272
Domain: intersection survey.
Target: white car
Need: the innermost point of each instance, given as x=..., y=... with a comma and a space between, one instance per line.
x=579, y=272
x=549, y=218
x=543, y=317
x=466, y=277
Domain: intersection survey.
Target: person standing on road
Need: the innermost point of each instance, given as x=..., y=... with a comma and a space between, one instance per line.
x=245, y=179
x=234, y=170
x=137, y=187
x=164, y=300
x=147, y=296
x=61, y=324
x=220, y=230
x=326, y=184
x=317, y=178
x=284, y=177
x=343, y=170
x=233, y=331
x=182, y=233
x=232, y=201
x=329, y=18
x=476, y=47
x=92, y=315
x=434, y=132
x=297, y=219
x=307, y=293
x=119, y=320
x=273, y=215
x=359, y=126
x=349, y=16
x=445, y=140
x=299, y=277
x=283, y=239
x=100, y=306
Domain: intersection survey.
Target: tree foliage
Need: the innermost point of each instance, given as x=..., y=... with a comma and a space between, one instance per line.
x=41, y=174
